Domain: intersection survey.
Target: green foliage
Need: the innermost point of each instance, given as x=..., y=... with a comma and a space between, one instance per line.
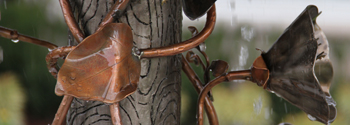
x=12, y=100
x=28, y=60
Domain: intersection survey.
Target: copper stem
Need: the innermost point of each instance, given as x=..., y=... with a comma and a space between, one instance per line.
x=69, y=18
x=60, y=116
x=185, y=45
x=116, y=11
x=115, y=114
x=213, y=119
x=14, y=35
x=233, y=75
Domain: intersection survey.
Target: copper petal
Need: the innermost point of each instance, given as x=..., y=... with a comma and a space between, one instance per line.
x=102, y=67
x=291, y=61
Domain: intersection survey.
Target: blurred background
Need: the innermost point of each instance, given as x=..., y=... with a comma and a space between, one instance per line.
x=27, y=89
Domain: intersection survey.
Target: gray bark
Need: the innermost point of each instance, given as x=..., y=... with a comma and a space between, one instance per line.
x=157, y=99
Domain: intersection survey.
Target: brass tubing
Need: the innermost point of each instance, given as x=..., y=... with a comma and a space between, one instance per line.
x=115, y=12
x=60, y=116
x=14, y=35
x=233, y=75
x=69, y=18
x=185, y=45
x=211, y=113
x=115, y=114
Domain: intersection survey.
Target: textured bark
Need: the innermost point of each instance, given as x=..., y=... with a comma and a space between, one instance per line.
x=157, y=99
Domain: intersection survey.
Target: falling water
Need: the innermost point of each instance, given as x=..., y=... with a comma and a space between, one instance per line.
x=5, y=4
x=1, y=55
x=232, y=6
x=285, y=107
x=243, y=56
x=267, y=113
x=257, y=105
x=247, y=33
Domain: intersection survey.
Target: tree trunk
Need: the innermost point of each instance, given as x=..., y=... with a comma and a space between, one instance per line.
x=157, y=99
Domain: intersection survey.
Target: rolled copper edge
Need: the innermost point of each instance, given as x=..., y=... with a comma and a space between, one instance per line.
x=185, y=45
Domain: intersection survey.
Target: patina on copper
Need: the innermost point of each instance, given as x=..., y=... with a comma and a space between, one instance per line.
x=185, y=45
x=291, y=63
x=196, y=8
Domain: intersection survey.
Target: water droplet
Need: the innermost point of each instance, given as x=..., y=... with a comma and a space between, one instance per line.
x=1, y=55
x=15, y=40
x=311, y=117
x=272, y=91
x=247, y=33
x=49, y=49
x=202, y=47
x=64, y=79
x=72, y=76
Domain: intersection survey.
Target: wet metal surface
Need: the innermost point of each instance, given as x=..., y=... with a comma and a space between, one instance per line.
x=105, y=71
x=196, y=8
x=291, y=61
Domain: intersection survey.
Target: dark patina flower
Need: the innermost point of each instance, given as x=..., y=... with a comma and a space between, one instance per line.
x=291, y=62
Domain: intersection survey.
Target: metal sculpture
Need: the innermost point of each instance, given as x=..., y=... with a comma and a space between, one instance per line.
x=110, y=51
x=291, y=61
x=287, y=69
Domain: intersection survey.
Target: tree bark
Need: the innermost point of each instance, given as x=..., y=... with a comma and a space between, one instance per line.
x=154, y=23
